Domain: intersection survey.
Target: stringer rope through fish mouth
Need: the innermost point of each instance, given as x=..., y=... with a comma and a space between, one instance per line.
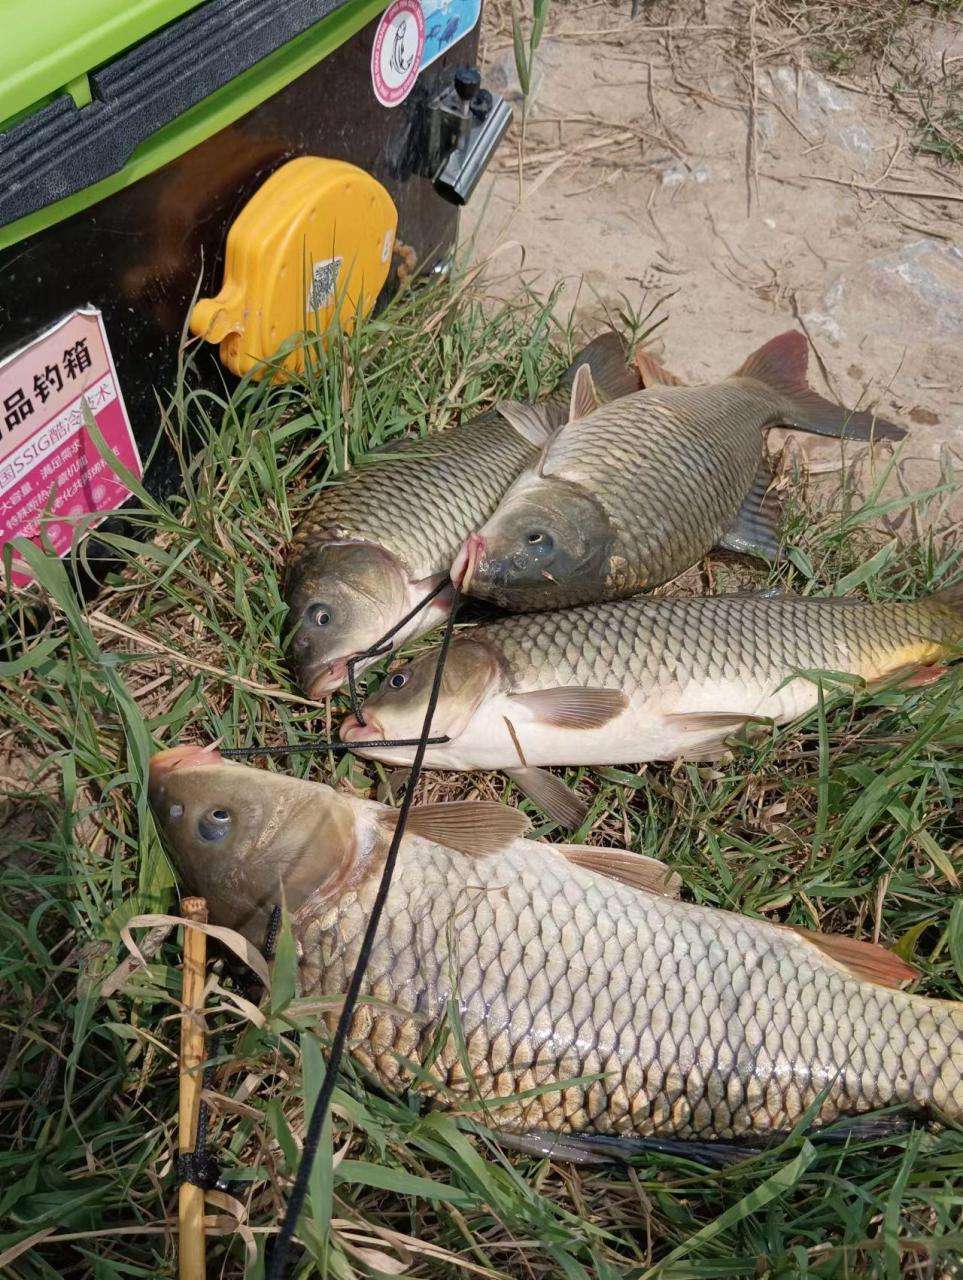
x=312, y=1137
x=376, y=650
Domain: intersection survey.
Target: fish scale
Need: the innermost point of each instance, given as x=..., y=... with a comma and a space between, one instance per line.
x=453, y=480
x=670, y=468
x=644, y=679
x=628, y=495
x=655, y=643
x=702, y=1024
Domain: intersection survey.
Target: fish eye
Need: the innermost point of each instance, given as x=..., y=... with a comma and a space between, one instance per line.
x=214, y=825
x=398, y=680
x=319, y=614
x=539, y=538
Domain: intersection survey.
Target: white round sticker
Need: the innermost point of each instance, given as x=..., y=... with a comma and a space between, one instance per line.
x=396, y=55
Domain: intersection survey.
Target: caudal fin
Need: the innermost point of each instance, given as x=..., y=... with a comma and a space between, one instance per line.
x=950, y=597
x=652, y=373
x=781, y=365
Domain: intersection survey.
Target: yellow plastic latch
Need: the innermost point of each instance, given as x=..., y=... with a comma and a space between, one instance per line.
x=315, y=240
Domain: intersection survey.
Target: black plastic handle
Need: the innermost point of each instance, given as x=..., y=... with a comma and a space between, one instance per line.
x=63, y=148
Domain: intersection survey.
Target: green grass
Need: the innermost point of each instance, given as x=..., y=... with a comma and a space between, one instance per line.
x=849, y=821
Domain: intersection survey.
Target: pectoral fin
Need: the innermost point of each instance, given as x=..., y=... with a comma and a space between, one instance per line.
x=551, y=795
x=475, y=827
x=571, y=706
x=867, y=961
x=633, y=869
x=755, y=530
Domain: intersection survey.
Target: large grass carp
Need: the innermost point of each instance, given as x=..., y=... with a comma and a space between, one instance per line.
x=643, y=679
x=382, y=536
x=629, y=494
x=551, y=983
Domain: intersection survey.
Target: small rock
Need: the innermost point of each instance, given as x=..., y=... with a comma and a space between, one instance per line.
x=822, y=108
x=919, y=285
x=674, y=174
x=854, y=137
x=827, y=323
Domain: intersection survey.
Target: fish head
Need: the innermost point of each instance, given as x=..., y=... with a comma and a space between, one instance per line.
x=342, y=597
x=549, y=544
x=398, y=707
x=247, y=839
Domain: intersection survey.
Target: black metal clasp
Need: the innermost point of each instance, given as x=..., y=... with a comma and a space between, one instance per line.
x=465, y=125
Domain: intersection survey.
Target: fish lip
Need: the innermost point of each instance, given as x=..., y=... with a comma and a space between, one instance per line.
x=467, y=561
x=352, y=730
x=328, y=679
x=164, y=762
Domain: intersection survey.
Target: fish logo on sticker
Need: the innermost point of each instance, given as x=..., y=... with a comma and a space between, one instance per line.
x=446, y=21
x=396, y=57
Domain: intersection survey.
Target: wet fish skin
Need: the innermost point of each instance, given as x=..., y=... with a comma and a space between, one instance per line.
x=380, y=538
x=376, y=541
x=628, y=495
x=700, y=1024
x=691, y=671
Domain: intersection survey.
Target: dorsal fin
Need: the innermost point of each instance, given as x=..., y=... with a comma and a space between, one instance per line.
x=867, y=961
x=584, y=397
x=652, y=373
x=533, y=422
x=633, y=869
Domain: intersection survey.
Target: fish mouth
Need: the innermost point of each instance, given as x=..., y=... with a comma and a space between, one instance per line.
x=165, y=762
x=328, y=679
x=467, y=560
x=352, y=730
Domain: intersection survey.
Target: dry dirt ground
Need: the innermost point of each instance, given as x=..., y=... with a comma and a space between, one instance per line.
x=759, y=161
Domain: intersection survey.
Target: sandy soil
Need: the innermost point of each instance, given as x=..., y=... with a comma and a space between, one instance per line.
x=694, y=150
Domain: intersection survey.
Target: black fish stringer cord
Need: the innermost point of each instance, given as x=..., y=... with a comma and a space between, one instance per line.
x=322, y=744
x=384, y=645
x=312, y=1137
x=381, y=646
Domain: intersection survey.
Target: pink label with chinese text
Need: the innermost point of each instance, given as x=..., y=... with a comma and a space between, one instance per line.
x=52, y=477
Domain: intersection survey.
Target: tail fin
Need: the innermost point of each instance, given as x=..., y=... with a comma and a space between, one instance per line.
x=781, y=365
x=652, y=373
x=950, y=597
x=607, y=359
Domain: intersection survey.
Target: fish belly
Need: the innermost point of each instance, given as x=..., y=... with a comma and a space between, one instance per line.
x=620, y=1012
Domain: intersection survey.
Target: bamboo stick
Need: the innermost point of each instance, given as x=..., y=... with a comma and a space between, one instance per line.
x=190, y=1207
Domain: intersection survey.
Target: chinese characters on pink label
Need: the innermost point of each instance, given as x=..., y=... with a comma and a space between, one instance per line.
x=52, y=477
